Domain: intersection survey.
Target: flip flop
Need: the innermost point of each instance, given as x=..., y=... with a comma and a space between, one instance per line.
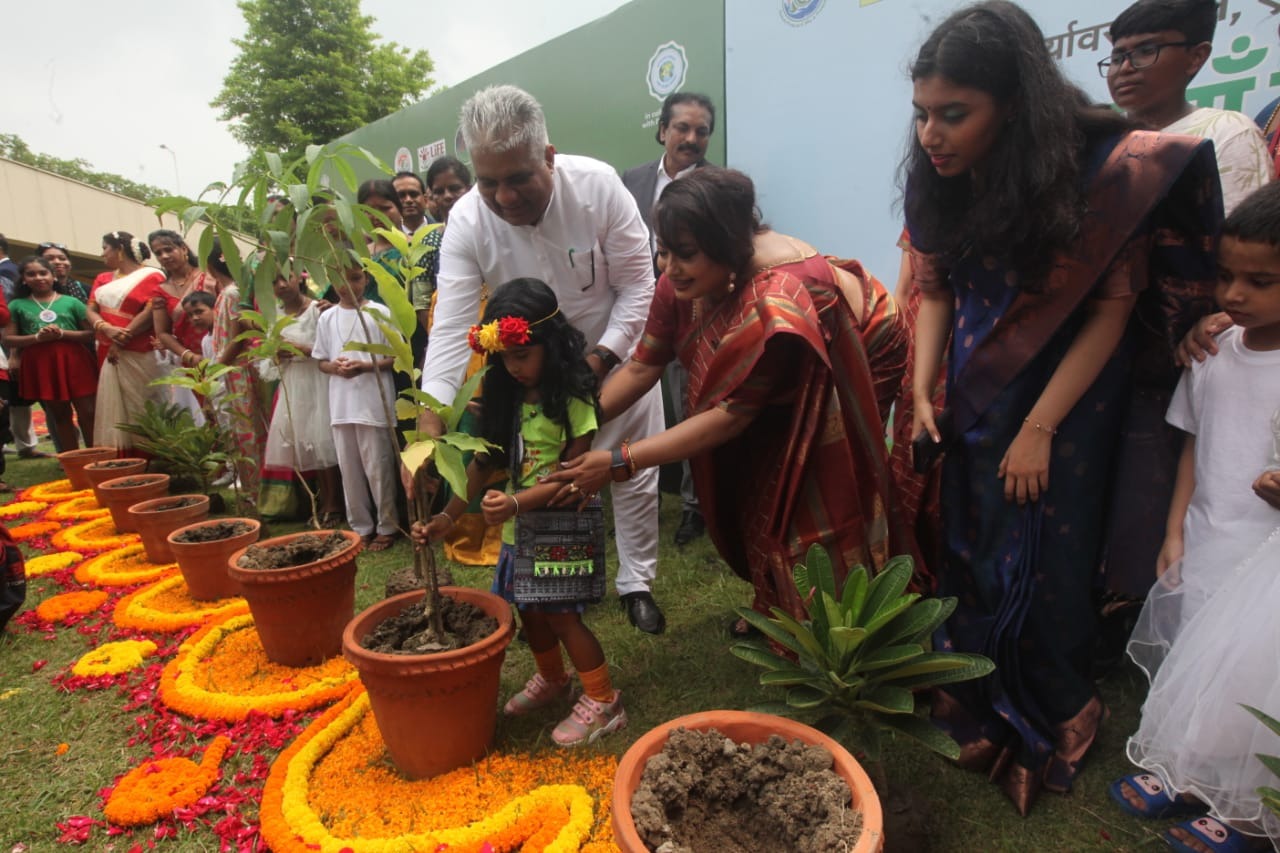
x=381, y=543
x=1214, y=835
x=1157, y=804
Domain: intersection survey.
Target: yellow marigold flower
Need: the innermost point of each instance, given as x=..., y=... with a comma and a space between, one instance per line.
x=49, y=563
x=166, y=606
x=490, y=337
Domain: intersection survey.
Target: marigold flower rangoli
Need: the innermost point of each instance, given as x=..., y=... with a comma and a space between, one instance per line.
x=334, y=789
x=124, y=566
x=58, y=490
x=166, y=606
x=114, y=658
x=33, y=530
x=222, y=673
x=96, y=535
x=77, y=509
x=47, y=564
x=18, y=509
x=155, y=788
x=70, y=603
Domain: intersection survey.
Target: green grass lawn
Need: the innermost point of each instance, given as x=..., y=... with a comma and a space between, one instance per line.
x=687, y=669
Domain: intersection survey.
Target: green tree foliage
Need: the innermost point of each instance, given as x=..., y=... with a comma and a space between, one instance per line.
x=310, y=71
x=12, y=147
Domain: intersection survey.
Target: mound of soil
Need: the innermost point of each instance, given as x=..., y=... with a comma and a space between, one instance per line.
x=176, y=503
x=113, y=463
x=307, y=548
x=705, y=792
x=214, y=532
x=405, y=579
x=408, y=632
x=130, y=483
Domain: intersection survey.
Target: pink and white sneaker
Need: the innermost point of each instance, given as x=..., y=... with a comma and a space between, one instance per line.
x=537, y=693
x=591, y=720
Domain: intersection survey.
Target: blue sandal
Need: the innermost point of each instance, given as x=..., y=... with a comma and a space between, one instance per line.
x=1157, y=804
x=1213, y=834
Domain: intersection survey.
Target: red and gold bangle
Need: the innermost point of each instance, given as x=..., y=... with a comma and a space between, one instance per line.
x=628, y=458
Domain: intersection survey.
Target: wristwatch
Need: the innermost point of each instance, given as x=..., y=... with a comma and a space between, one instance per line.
x=606, y=357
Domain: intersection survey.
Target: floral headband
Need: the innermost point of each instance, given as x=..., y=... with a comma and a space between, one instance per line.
x=501, y=334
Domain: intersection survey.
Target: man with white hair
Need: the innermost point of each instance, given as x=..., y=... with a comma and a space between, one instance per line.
x=570, y=222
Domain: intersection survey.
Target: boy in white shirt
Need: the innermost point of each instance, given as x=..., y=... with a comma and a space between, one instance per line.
x=361, y=403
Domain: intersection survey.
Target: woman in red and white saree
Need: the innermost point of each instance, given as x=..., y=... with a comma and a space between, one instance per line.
x=119, y=310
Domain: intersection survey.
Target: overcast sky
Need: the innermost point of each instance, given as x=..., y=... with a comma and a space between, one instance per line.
x=111, y=82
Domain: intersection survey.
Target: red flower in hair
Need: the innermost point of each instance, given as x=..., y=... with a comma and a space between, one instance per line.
x=513, y=331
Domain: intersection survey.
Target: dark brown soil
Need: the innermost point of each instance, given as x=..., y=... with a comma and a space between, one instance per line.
x=176, y=503
x=130, y=483
x=113, y=463
x=705, y=792
x=404, y=579
x=307, y=548
x=214, y=532
x=407, y=633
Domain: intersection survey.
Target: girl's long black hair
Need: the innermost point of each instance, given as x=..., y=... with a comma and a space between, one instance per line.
x=1030, y=203
x=565, y=372
x=20, y=288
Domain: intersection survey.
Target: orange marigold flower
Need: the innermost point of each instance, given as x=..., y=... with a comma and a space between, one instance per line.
x=62, y=749
x=59, y=607
x=58, y=490
x=166, y=606
x=32, y=529
x=124, y=566
x=155, y=788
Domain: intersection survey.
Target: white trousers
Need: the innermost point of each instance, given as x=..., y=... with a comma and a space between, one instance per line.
x=635, y=502
x=367, y=462
x=24, y=434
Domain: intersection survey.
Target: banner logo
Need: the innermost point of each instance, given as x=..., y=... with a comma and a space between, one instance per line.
x=800, y=12
x=667, y=69
x=404, y=160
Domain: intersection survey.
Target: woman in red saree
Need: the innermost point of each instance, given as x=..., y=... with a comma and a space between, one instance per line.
x=119, y=310
x=785, y=357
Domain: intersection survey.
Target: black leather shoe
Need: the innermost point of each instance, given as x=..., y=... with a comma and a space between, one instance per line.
x=691, y=527
x=644, y=612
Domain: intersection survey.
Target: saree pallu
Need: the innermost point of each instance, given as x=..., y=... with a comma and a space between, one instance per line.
x=1024, y=575
x=119, y=300
x=123, y=391
x=811, y=468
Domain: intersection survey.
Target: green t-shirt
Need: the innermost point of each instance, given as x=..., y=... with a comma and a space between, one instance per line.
x=543, y=441
x=69, y=311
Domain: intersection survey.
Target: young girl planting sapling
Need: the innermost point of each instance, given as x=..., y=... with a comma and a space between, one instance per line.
x=539, y=403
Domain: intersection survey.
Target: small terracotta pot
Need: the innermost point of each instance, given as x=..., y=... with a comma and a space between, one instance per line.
x=204, y=564
x=73, y=462
x=118, y=497
x=300, y=611
x=435, y=712
x=154, y=521
x=742, y=727
x=111, y=469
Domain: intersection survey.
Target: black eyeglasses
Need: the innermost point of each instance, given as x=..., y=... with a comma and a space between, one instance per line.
x=43, y=246
x=1142, y=56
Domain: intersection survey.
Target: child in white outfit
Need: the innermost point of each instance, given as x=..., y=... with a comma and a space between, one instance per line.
x=361, y=405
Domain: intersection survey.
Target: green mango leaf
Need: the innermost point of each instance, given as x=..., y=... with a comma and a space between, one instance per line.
x=450, y=465
x=417, y=454
x=755, y=652
x=192, y=215
x=465, y=395
x=804, y=697
x=890, y=656
x=394, y=295
x=925, y=732
x=405, y=410
x=770, y=629
x=467, y=443
x=855, y=593
x=204, y=246
x=312, y=152
x=887, y=700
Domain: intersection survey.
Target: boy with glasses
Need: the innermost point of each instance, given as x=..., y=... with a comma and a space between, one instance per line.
x=1158, y=47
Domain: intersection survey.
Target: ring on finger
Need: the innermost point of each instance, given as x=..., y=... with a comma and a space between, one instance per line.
x=573, y=487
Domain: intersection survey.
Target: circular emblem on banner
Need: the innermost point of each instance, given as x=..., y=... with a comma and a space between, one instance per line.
x=404, y=160
x=667, y=68
x=799, y=12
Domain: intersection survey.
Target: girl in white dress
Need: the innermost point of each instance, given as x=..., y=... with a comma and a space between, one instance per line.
x=1209, y=636
x=300, y=437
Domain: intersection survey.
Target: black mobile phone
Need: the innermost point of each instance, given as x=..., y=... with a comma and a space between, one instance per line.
x=925, y=452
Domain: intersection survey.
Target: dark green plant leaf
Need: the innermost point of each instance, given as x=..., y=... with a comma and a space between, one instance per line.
x=770, y=629
x=887, y=700
x=890, y=656
x=805, y=697
x=923, y=731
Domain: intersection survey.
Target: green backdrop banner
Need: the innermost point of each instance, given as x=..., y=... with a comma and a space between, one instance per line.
x=601, y=86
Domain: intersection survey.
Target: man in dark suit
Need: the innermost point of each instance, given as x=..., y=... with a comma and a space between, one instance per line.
x=684, y=131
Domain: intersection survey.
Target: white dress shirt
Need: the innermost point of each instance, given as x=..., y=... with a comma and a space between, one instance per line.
x=660, y=185
x=590, y=246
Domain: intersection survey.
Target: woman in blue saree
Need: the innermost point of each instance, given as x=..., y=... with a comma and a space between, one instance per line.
x=1060, y=253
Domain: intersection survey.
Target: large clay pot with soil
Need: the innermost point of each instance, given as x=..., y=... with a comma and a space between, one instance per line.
x=202, y=550
x=123, y=492
x=751, y=728
x=111, y=469
x=436, y=712
x=156, y=519
x=301, y=592
x=73, y=462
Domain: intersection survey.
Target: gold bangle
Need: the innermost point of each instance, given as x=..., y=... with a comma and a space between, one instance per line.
x=1039, y=427
x=451, y=519
x=516, y=501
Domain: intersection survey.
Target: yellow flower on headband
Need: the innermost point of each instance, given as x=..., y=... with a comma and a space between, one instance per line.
x=491, y=337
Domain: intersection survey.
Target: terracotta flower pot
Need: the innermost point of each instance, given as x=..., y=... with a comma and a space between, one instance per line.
x=116, y=496
x=204, y=563
x=111, y=469
x=435, y=712
x=73, y=462
x=157, y=518
x=300, y=611
x=742, y=727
